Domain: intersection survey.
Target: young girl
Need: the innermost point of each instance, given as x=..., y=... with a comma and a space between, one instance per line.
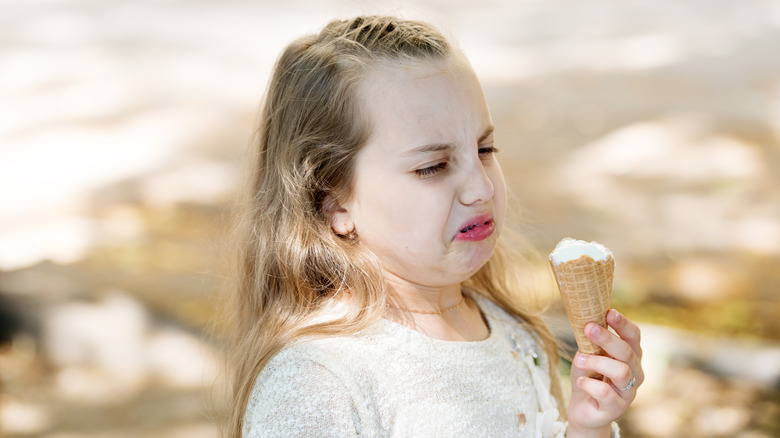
x=374, y=297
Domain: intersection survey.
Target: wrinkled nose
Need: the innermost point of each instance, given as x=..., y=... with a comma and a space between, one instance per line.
x=476, y=187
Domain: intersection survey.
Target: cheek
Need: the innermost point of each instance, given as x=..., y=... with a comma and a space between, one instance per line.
x=418, y=216
x=404, y=218
x=382, y=214
x=499, y=192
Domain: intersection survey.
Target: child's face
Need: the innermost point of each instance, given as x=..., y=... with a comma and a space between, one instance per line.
x=429, y=196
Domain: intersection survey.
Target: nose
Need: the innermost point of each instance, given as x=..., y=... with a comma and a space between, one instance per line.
x=476, y=186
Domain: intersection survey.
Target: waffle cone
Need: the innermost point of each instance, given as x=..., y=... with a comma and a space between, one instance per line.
x=586, y=290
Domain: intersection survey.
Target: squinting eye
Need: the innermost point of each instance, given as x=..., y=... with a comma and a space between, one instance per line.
x=487, y=151
x=431, y=170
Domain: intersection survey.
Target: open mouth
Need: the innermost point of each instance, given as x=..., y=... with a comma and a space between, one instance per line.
x=465, y=230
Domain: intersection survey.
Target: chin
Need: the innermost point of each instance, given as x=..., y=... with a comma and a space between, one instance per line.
x=478, y=259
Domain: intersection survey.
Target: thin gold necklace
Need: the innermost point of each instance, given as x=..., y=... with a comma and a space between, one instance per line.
x=428, y=312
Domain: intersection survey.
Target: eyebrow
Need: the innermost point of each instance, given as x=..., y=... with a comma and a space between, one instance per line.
x=438, y=147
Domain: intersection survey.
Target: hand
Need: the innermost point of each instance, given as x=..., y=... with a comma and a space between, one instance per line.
x=595, y=404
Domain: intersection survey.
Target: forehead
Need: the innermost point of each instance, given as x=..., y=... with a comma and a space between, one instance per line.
x=408, y=102
x=400, y=82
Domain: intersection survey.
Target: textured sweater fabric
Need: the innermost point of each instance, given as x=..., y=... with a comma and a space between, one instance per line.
x=393, y=381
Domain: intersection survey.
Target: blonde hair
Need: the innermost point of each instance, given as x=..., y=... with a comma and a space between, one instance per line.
x=291, y=265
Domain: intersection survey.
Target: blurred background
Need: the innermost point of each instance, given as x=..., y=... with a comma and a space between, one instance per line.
x=650, y=126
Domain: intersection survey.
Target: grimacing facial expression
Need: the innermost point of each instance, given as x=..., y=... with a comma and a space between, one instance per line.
x=429, y=197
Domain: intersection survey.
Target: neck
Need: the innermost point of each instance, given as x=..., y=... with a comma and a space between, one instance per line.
x=440, y=313
x=423, y=299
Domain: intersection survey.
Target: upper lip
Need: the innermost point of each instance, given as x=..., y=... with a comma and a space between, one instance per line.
x=475, y=221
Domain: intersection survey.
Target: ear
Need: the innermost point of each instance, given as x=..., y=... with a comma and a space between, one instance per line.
x=340, y=220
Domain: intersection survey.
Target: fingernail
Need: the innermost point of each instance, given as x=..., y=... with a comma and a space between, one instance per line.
x=580, y=360
x=595, y=330
x=616, y=315
x=580, y=380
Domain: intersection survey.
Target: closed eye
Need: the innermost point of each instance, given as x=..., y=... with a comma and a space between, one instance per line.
x=427, y=172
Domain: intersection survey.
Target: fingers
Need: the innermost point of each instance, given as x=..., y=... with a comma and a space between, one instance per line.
x=597, y=402
x=605, y=398
x=623, y=347
x=620, y=374
x=612, y=344
x=627, y=330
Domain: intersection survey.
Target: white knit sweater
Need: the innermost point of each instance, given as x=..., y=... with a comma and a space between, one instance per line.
x=392, y=381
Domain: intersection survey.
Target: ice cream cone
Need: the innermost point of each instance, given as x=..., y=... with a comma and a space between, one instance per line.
x=586, y=290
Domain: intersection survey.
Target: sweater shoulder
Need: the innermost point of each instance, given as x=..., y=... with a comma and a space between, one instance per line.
x=298, y=394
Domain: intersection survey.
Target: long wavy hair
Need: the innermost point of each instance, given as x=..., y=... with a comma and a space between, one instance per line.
x=291, y=266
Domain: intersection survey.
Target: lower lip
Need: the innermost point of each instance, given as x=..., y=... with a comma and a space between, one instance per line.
x=480, y=232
